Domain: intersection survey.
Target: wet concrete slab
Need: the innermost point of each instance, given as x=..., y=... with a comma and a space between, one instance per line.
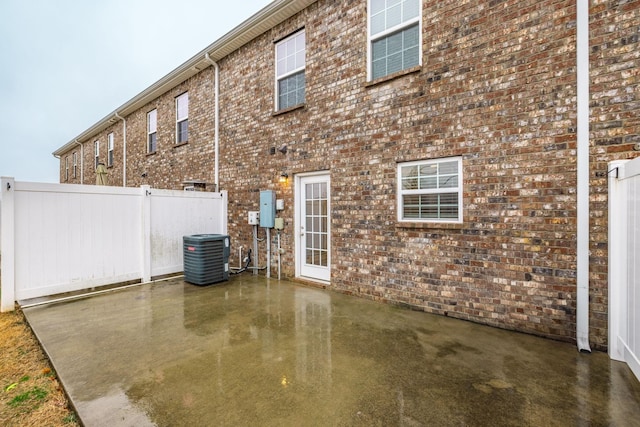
x=254, y=351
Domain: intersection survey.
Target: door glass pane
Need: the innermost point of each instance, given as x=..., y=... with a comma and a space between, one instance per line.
x=323, y=190
x=316, y=220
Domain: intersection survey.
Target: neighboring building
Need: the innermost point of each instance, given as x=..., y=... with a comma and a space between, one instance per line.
x=431, y=147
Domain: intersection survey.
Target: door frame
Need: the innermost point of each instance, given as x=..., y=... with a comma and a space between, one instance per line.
x=298, y=242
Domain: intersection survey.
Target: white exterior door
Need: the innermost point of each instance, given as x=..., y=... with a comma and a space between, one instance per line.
x=313, y=227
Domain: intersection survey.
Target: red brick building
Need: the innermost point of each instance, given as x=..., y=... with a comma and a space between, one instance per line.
x=431, y=147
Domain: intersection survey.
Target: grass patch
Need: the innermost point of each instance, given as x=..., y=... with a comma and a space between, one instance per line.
x=34, y=394
x=30, y=393
x=70, y=419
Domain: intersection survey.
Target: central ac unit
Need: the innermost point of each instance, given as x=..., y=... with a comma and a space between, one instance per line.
x=206, y=258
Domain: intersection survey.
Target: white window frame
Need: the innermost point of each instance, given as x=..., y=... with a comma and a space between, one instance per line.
x=371, y=38
x=281, y=75
x=404, y=192
x=66, y=168
x=96, y=154
x=152, y=130
x=75, y=164
x=182, y=118
x=110, y=149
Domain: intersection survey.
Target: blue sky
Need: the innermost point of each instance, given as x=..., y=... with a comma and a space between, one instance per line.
x=65, y=64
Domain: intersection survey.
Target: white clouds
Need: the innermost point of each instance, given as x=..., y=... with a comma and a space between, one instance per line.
x=66, y=64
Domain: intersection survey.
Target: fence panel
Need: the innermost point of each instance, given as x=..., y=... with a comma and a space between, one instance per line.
x=60, y=238
x=175, y=214
x=72, y=238
x=624, y=272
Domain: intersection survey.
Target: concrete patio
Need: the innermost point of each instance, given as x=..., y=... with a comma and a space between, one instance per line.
x=254, y=351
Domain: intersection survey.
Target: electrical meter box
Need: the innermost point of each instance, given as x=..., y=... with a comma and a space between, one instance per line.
x=267, y=208
x=254, y=218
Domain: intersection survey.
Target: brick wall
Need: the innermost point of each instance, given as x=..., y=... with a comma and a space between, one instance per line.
x=173, y=164
x=86, y=173
x=497, y=87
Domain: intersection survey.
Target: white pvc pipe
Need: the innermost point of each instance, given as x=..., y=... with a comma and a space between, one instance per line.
x=81, y=161
x=268, y=252
x=279, y=256
x=124, y=150
x=255, y=250
x=582, y=292
x=94, y=293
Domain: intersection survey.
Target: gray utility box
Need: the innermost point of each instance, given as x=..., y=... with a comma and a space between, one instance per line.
x=206, y=258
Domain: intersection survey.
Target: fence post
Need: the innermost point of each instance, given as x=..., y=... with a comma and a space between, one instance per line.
x=7, y=245
x=618, y=206
x=223, y=212
x=145, y=191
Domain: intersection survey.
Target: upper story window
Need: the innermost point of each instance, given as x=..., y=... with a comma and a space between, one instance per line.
x=394, y=36
x=96, y=153
x=75, y=164
x=182, y=118
x=66, y=168
x=290, y=64
x=110, y=149
x=430, y=191
x=152, y=128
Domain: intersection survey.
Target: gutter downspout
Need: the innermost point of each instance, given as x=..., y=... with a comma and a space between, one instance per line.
x=124, y=150
x=216, y=120
x=582, y=154
x=59, y=166
x=81, y=161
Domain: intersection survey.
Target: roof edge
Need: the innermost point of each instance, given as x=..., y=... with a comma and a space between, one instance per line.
x=269, y=16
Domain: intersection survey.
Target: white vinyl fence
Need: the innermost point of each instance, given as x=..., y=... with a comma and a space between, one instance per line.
x=59, y=238
x=624, y=263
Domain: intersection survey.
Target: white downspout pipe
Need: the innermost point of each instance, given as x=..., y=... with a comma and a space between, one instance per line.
x=216, y=96
x=59, y=166
x=582, y=293
x=81, y=161
x=124, y=150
